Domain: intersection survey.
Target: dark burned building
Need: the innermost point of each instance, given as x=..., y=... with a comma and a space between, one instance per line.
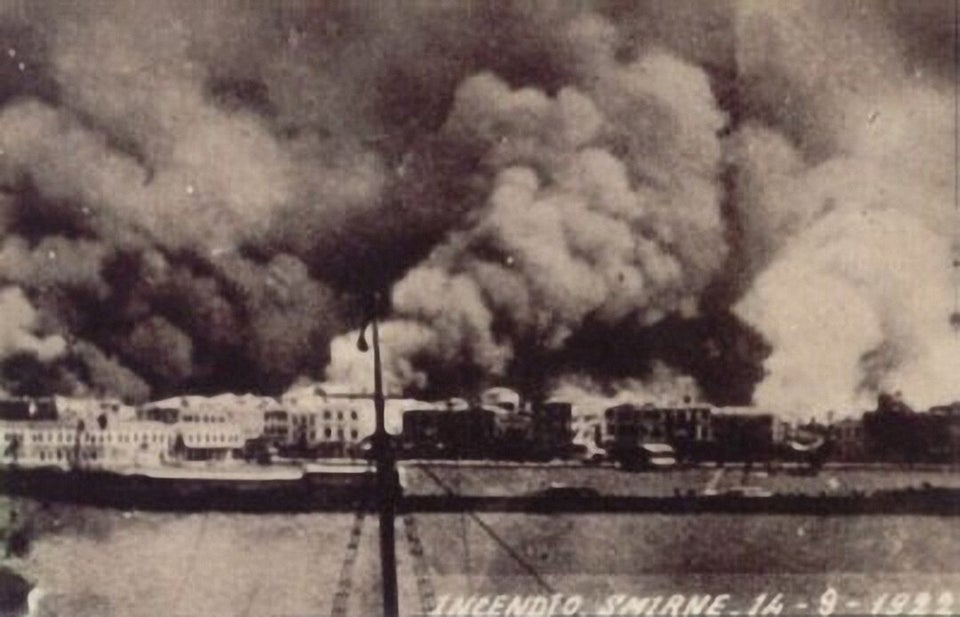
x=503, y=430
x=745, y=436
x=894, y=432
x=440, y=433
x=848, y=443
x=28, y=409
x=552, y=429
x=948, y=419
x=687, y=428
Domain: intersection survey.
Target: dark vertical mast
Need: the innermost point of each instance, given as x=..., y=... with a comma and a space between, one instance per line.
x=387, y=484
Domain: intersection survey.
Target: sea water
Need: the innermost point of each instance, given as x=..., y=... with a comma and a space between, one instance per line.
x=103, y=563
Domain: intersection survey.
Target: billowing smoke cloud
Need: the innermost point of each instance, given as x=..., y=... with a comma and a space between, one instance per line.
x=145, y=184
x=663, y=386
x=851, y=224
x=199, y=197
x=603, y=205
x=17, y=335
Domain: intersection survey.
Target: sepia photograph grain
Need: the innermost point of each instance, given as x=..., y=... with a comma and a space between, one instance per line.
x=479, y=308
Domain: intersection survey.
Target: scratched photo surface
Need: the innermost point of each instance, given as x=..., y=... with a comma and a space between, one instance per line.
x=662, y=297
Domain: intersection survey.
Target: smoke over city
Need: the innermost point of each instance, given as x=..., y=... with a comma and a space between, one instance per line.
x=743, y=202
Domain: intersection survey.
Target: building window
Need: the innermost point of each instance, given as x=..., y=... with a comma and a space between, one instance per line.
x=353, y=415
x=339, y=415
x=327, y=432
x=353, y=434
x=326, y=415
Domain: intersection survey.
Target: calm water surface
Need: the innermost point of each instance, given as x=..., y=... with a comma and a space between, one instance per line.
x=107, y=563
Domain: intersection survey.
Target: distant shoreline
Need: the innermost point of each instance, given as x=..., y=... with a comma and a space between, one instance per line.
x=534, y=489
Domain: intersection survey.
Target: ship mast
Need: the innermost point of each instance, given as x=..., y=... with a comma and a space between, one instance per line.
x=387, y=484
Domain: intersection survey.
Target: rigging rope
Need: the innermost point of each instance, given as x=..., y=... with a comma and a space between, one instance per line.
x=428, y=597
x=341, y=598
x=503, y=544
x=464, y=538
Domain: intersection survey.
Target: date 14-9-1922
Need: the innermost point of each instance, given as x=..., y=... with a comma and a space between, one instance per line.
x=830, y=602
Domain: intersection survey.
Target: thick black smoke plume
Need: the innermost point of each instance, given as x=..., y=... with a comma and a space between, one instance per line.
x=200, y=196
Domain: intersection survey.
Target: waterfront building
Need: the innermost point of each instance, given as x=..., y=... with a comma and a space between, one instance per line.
x=848, y=440
x=552, y=428
x=88, y=444
x=333, y=420
x=327, y=419
x=248, y=411
x=747, y=434
x=276, y=427
x=208, y=436
x=443, y=433
x=202, y=429
x=948, y=417
x=895, y=432
x=685, y=427
x=172, y=409
x=23, y=408
x=89, y=409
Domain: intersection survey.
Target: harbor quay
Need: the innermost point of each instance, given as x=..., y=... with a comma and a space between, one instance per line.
x=498, y=427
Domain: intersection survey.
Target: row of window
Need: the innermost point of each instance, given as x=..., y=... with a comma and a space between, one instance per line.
x=281, y=416
x=327, y=415
x=328, y=433
x=66, y=454
x=206, y=419
x=633, y=415
x=106, y=437
x=109, y=438
x=221, y=438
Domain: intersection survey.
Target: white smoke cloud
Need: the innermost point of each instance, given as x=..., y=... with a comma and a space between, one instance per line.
x=854, y=230
x=18, y=320
x=664, y=386
x=399, y=342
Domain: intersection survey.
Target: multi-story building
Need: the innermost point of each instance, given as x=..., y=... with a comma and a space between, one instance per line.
x=747, y=434
x=28, y=409
x=848, y=440
x=97, y=444
x=276, y=427
x=247, y=411
x=948, y=418
x=211, y=435
x=443, y=433
x=202, y=430
x=89, y=409
x=552, y=429
x=327, y=419
x=685, y=427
